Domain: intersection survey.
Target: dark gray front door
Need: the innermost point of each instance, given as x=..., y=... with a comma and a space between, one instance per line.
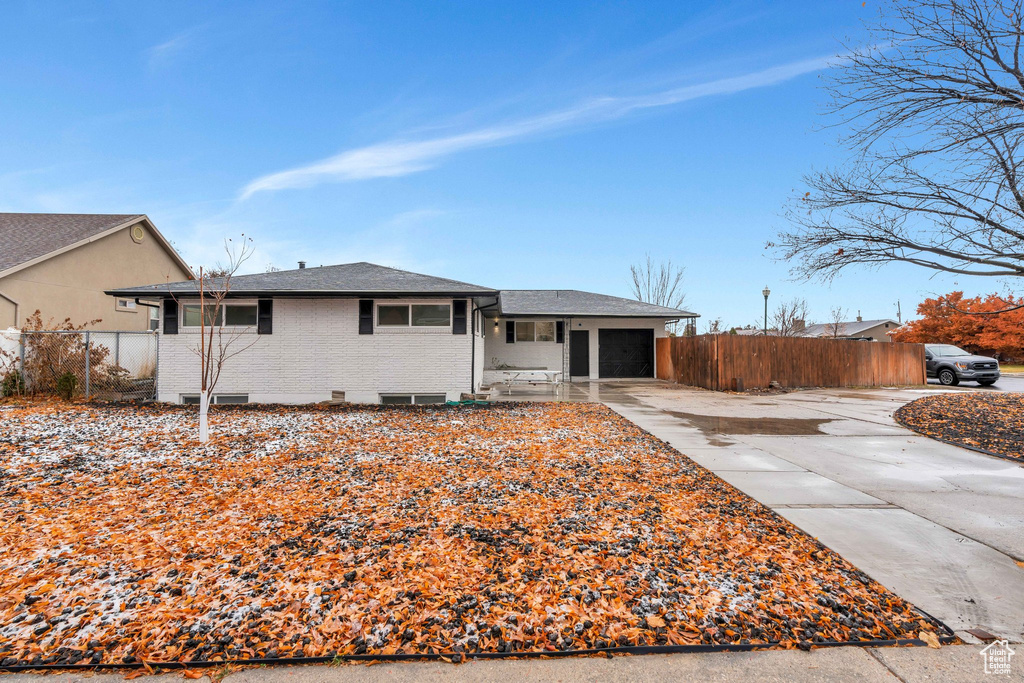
x=625, y=353
x=579, y=353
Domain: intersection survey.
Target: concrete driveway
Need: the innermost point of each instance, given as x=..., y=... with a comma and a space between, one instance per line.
x=938, y=524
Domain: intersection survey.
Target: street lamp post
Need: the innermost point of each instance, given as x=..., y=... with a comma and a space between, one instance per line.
x=766, y=292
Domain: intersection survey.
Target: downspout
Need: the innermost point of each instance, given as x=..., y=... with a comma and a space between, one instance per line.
x=472, y=347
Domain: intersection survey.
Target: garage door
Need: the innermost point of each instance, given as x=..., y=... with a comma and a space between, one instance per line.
x=625, y=353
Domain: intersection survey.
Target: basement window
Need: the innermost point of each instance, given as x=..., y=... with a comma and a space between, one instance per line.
x=411, y=399
x=217, y=400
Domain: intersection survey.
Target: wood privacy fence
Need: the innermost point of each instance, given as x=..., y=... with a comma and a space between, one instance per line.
x=727, y=361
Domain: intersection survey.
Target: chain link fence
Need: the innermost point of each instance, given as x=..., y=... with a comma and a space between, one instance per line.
x=107, y=366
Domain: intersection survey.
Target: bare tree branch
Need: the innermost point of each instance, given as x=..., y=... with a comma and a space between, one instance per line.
x=935, y=109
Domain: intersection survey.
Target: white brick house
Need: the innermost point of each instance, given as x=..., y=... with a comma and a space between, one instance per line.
x=384, y=335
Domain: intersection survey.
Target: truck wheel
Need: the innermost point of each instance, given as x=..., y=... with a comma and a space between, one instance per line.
x=948, y=377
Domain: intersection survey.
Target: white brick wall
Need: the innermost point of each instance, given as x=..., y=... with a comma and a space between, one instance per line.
x=316, y=348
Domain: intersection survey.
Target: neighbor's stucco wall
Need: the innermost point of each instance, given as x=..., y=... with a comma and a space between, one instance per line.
x=71, y=285
x=316, y=348
x=879, y=332
x=550, y=355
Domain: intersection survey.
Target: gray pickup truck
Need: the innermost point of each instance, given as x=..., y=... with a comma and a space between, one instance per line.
x=952, y=365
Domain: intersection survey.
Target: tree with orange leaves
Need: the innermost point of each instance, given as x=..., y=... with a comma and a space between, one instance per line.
x=975, y=324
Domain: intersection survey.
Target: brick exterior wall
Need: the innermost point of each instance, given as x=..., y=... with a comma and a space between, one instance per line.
x=316, y=348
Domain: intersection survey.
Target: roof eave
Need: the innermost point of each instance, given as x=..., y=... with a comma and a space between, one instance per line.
x=297, y=294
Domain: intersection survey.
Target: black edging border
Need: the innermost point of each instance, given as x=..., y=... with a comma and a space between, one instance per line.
x=463, y=656
x=899, y=420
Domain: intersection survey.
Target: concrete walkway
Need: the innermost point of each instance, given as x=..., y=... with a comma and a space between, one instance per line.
x=937, y=524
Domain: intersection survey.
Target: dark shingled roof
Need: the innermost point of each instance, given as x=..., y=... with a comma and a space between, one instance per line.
x=572, y=302
x=27, y=236
x=344, y=279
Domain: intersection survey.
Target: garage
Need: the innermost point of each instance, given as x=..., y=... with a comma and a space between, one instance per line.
x=625, y=353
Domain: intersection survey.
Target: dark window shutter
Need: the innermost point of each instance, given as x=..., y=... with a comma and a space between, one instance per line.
x=559, y=332
x=265, y=316
x=366, y=316
x=459, y=316
x=170, y=316
x=510, y=331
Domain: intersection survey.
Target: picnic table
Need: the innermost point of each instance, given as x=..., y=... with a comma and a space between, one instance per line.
x=531, y=376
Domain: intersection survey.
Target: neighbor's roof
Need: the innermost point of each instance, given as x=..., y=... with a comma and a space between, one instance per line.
x=572, y=302
x=347, y=279
x=26, y=238
x=846, y=329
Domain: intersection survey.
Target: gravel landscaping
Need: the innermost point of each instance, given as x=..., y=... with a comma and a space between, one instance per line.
x=379, y=530
x=989, y=422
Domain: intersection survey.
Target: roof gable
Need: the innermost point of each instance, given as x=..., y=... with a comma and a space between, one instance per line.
x=340, y=280
x=28, y=236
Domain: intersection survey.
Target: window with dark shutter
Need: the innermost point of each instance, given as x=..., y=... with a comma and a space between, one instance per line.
x=265, y=316
x=366, y=316
x=459, y=316
x=559, y=332
x=170, y=316
x=510, y=331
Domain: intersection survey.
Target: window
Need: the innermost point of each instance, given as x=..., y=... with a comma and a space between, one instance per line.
x=414, y=315
x=530, y=331
x=411, y=399
x=229, y=315
x=126, y=305
x=393, y=316
x=154, y=318
x=428, y=315
x=217, y=399
x=240, y=315
x=190, y=315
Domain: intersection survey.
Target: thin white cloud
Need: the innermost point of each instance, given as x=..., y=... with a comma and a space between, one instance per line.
x=402, y=157
x=165, y=52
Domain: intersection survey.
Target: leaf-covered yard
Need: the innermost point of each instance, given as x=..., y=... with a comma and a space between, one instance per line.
x=986, y=421
x=307, y=532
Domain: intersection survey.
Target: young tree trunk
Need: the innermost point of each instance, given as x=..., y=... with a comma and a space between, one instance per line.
x=204, y=423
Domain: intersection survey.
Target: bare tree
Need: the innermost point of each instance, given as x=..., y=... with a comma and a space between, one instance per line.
x=935, y=103
x=217, y=344
x=789, y=318
x=835, y=327
x=659, y=284
x=714, y=326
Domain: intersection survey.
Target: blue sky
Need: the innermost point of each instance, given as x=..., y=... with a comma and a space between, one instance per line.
x=511, y=145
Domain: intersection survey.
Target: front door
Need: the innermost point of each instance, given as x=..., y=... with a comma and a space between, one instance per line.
x=579, y=353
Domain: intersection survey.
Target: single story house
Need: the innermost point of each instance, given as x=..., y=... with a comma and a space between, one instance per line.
x=381, y=335
x=62, y=265
x=873, y=330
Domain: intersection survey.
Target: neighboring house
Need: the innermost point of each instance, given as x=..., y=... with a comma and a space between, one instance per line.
x=382, y=335
x=61, y=265
x=875, y=330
